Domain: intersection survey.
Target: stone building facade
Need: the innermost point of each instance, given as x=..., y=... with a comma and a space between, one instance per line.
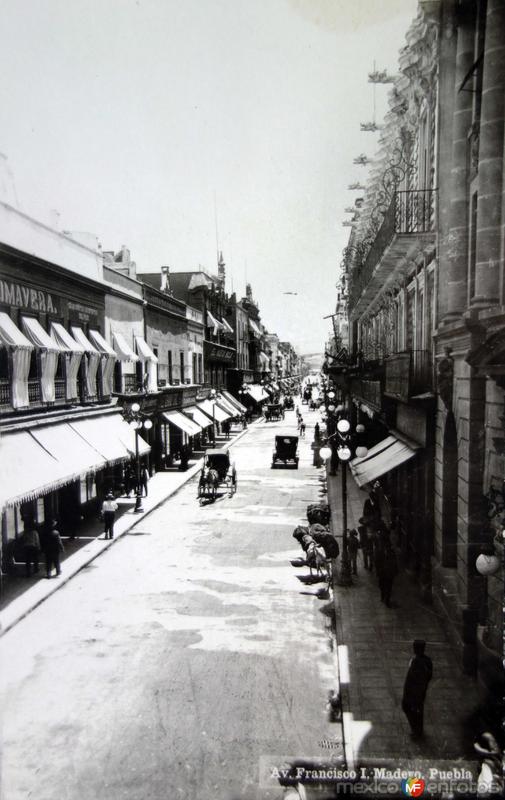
x=425, y=273
x=470, y=336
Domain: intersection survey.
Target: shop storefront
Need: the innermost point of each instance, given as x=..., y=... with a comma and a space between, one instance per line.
x=218, y=359
x=46, y=358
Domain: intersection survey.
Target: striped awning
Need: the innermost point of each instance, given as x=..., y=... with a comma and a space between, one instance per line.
x=389, y=454
x=183, y=423
x=44, y=458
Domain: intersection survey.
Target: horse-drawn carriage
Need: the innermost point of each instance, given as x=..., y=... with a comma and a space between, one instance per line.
x=274, y=411
x=218, y=471
x=286, y=451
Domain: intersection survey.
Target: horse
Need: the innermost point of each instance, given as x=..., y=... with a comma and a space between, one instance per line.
x=316, y=559
x=209, y=481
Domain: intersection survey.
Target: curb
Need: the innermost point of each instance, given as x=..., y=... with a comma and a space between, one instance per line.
x=64, y=579
x=341, y=656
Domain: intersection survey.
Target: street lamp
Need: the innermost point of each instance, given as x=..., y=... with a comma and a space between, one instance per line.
x=138, y=420
x=344, y=437
x=214, y=396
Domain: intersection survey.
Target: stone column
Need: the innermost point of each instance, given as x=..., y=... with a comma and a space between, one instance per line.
x=457, y=252
x=487, y=268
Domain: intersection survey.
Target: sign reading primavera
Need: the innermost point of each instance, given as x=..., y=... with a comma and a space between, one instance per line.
x=19, y=296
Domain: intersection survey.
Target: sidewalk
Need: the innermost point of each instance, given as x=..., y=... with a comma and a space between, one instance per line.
x=28, y=593
x=374, y=648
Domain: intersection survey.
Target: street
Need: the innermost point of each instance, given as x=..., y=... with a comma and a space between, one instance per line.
x=186, y=659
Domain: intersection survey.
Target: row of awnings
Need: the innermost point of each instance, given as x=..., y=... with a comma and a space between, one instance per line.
x=193, y=419
x=43, y=458
x=74, y=345
x=385, y=456
x=59, y=340
x=218, y=324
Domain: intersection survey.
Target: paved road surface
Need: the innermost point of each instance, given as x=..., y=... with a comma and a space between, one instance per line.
x=184, y=659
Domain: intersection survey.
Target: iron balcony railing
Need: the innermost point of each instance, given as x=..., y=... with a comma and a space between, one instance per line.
x=131, y=384
x=415, y=211
x=34, y=394
x=410, y=212
x=59, y=389
x=5, y=392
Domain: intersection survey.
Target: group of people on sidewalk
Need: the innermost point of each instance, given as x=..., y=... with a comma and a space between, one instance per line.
x=373, y=538
x=47, y=542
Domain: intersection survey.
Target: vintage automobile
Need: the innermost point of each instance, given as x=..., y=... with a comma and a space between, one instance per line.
x=274, y=411
x=218, y=471
x=286, y=451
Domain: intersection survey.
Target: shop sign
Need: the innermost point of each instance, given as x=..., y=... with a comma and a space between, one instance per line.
x=189, y=397
x=398, y=376
x=218, y=353
x=170, y=400
x=149, y=405
x=19, y=296
x=82, y=312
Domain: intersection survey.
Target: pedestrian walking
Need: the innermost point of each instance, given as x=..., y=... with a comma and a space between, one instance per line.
x=129, y=480
x=317, y=432
x=371, y=508
x=302, y=429
x=109, y=508
x=418, y=676
x=30, y=543
x=352, y=549
x=53, y=548
x=387, y=573
x=366, y=543
x=144, y=476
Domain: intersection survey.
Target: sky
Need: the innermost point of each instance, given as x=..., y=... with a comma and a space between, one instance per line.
x=177, y=127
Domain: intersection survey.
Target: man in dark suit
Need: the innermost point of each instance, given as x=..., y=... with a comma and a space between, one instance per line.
x=419, y=675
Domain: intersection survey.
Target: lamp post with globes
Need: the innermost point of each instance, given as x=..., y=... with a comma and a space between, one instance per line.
x=138, y=421
x=243, y=392
x=345, y=440
x=214, y=396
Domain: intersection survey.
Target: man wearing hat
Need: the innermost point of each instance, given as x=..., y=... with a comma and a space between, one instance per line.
x=416, y=684
x=53, y=548
x=109, y=508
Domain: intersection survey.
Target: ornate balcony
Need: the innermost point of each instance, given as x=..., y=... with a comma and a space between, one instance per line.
x=5, y=392
x=408, y=226
x=34, y=391
x=130, y=384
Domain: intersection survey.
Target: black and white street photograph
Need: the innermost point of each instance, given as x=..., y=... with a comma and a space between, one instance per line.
x=252, y=399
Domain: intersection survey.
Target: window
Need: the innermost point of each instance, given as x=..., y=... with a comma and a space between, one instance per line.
x=170, y=367
x=4, y=364
x=181, y=368
x=472, y=245
x=195, y=369
x=410, y=321
x=420, y=332
x=424, y=176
